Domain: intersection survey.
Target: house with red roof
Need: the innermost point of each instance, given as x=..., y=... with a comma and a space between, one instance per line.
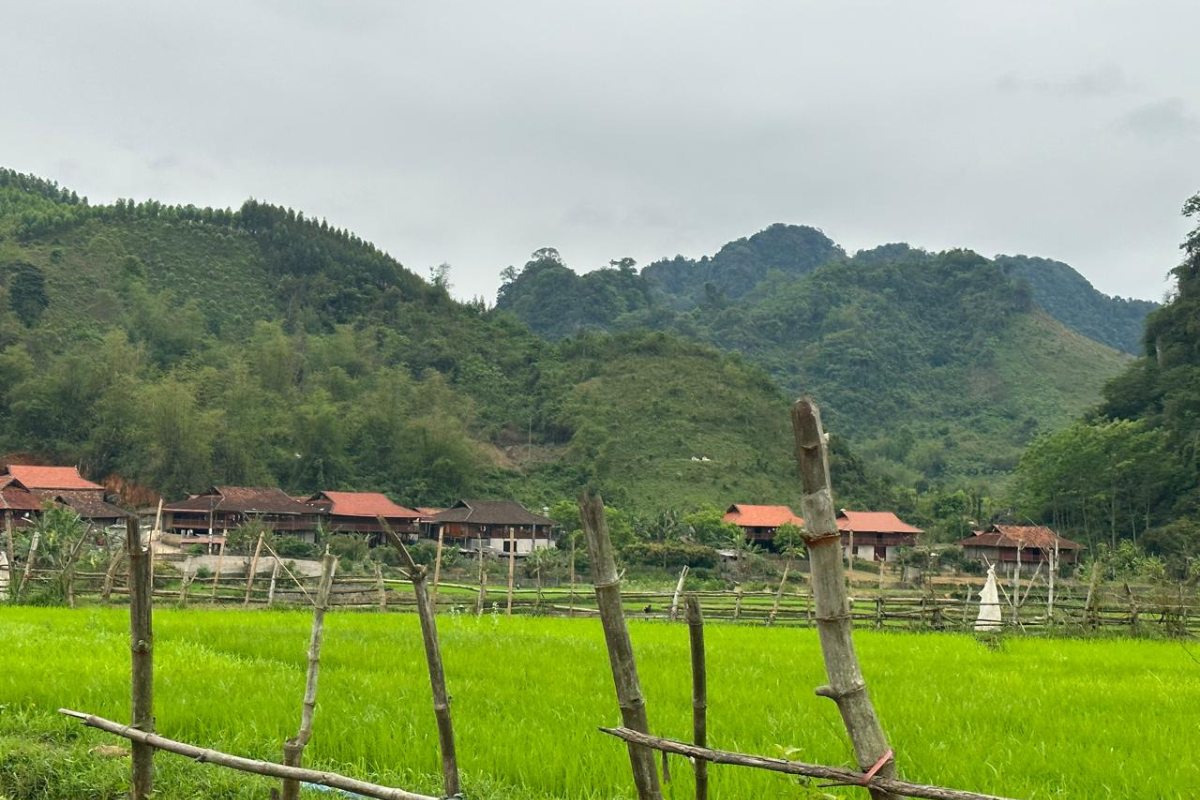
x=874, y=535
x=205, y=518
x=1006, y=546
x=359, y=512
x=759, y=523
x=24, y=488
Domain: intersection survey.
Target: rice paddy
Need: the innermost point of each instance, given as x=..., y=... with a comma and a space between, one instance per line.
x=1044, y=718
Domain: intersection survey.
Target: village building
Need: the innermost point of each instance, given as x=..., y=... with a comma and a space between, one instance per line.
x=206, y=518
x=1006, y=546
x=494, y=525
x=24, y=488
x=759, y=523
x=874, y=535
x=359, y=512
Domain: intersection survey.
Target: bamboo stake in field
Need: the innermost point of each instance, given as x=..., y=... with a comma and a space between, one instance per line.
x=616, y=636
x=253, y=569
x=695, y=621
x=482, y=581
x=779, y=594
x=437, y=566
x=33, y=548
x=206, y=756
x=512, y=566
x=379, y=586
x=846, y=685
x=110, y=573
x=678, y=591
x=141, y=641
x=9, y=551
x=293, y=749
x=433, y=659
x=271, y=586
x=220, y=562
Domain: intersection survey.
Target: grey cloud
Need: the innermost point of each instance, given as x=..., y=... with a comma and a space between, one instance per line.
x=1161, y=121
x=1103, y=81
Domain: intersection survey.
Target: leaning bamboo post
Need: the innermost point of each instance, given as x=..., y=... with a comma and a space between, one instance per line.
x=512, y=566
x=695, y=619
x=678, y=590
x=141, y=640
x=433, y=659
x=616, y=635
x=437, y=566
x=779, y=594
x=253, y=569
x=846, y=685
x=839, y=776
x=737, y=604
x=109, y=573
x=207, y=756
x=293, y=749
x=217, y=575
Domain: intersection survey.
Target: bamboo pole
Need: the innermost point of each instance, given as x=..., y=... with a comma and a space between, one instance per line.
x=433, y=659
x=109, y=573
x=877, y=784
x=253, y=569
x=695, y=619
x=678, y=590
x=379, y=586
x=280, y=565
x=220, y=562
x=141, y=640
x=437, y=566
x=737, y=605
x=271, y=586
x=512, y=566
x=846, y=685
x=571, y=590
x=482, y=598
x=616, y=635
x=779, y=594
x=205, y=756
x=33, y=548
x=293, y=749
x=9, y=551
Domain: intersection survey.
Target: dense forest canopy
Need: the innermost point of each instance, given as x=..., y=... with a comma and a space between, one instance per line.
x=1130, y=469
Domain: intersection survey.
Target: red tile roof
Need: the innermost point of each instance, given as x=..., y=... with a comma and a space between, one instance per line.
x=362, y=504
x=242, y=499
x=50, y=478
x=748, y=516
x=1015, y=536
x=14, y=498
x=873, y=522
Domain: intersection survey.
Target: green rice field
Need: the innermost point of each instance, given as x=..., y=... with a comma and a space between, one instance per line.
x=1031, y=717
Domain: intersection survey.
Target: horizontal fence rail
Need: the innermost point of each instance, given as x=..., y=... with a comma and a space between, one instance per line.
x=1163, y=610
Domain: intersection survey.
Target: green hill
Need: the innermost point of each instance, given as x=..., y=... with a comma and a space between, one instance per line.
x=180, y=347
x=944, y=364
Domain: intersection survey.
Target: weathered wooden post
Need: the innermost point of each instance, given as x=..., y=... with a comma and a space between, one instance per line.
x=695, y=621
x=616, y=636
x=293, y=749
x=141, y=644
x=846, y=685
x=433, y=659
x=9, y=552
x=737, y=604
x=252, y=569
x=271, y=586
x=380, y=587
x=779, y=594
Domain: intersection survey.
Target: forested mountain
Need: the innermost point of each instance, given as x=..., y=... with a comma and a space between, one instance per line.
x=1068, y=297
x=943, y=364
x=1130, y=470
x=179, y=347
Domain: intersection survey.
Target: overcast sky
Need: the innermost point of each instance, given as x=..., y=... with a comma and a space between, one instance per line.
x=474, y=133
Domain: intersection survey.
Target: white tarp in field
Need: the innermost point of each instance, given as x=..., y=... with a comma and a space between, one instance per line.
x=989, y=604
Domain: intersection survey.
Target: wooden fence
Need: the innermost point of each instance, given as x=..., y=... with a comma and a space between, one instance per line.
x=1133, y=610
